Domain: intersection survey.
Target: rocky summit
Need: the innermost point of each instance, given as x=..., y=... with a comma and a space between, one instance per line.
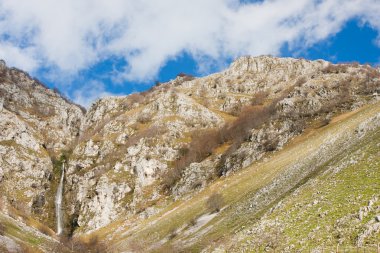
x=271, y=154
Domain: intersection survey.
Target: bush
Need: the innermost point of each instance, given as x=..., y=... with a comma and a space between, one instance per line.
x=136, y=98
x=215, y=202
x=146, y=133
x=372, y=73
x=325, y=122
x=298, y=126
x=235, y=109
x=270, y=145
x=196, y=184
x=2, y=229
x=96, y=245
x=193, y=222
x=45, y=230
x=92, y=245
x=250, y=117
x=172, y=234
x=259, y=98
x=355, y=64
x=144, y=118
x=186, y=77
x=369, y=87
x=201, y=146
x=340, y=68
x=300, y=81
x=171, y=177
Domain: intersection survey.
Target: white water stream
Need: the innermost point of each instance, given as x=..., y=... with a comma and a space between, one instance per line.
x=58, y=202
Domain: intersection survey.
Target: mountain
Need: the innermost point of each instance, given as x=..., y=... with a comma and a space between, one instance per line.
x=266, y=147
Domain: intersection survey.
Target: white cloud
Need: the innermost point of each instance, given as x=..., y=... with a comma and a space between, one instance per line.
x=72, y=35
x=91, y=91
x=16, y=56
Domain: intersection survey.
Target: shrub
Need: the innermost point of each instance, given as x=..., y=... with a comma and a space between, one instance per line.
x=270, y=145
x=235, y=109
x=171, y=177
x=183, y=151
x=193, y=222
x=300, y=81
x=222, y=95
x=146, y=133
x=259, y=98
x=325, y=122
x=96, y=245
x=181, y=74
x=240, y=88
x=202, y=144
x=355, y=64
x=250, y=117
x=136, y=98
x=45, y=230
x=215, y=202
x=369, y=87
x=2, y=229
x=196, y=184
x=298, y=126
x=92, y=245
x=340, y=68
x=186, y=77
x=172, y=234
x=144, y=118
x=372, y=73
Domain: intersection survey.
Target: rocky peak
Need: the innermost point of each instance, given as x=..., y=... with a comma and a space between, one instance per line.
x=275, y=66
x=49, y=112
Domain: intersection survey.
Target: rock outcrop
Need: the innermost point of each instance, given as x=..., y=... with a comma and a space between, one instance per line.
x=36, y=125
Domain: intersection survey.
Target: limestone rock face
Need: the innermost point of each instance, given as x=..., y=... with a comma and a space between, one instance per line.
x=25, y=166
x=121, y=151
x=55, y=118
x=36, y=124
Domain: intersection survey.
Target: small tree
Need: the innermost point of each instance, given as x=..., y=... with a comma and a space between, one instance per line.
x=215, y=202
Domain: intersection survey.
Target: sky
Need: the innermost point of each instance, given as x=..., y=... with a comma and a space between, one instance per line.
x=94, y=48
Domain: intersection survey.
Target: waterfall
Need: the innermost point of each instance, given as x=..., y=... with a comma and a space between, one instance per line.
x=58, y=202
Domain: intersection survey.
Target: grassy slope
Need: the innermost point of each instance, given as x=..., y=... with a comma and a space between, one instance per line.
x=325, y=211
x=28, y=238
x=172, y=228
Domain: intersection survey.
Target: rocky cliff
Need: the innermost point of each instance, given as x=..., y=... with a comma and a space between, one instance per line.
x=129, y=157
x=36, y=125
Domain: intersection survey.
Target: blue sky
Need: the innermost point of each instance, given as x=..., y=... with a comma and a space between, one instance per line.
x=356, y=42
x=124, y=46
